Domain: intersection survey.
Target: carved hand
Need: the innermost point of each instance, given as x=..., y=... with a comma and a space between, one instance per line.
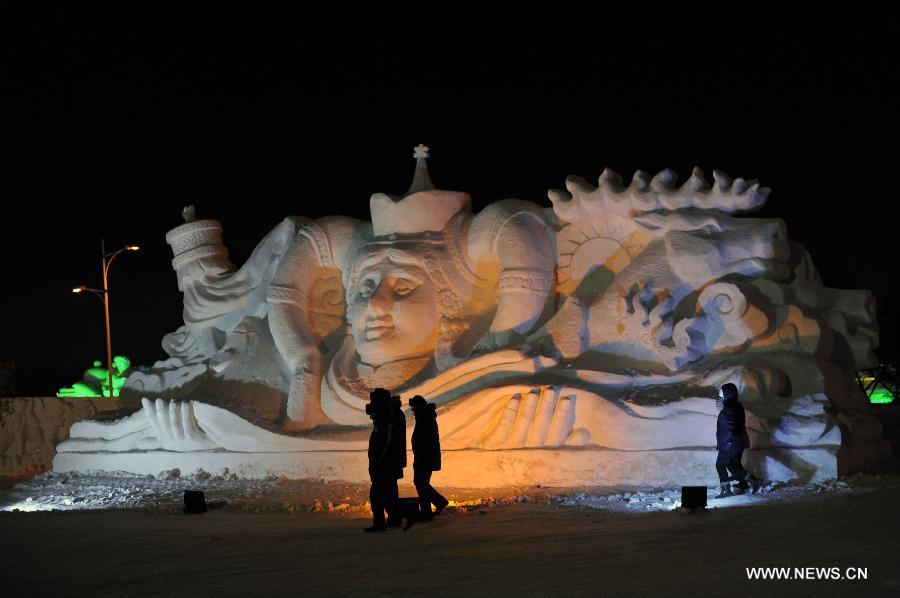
x=538, y=418
x=176, y=427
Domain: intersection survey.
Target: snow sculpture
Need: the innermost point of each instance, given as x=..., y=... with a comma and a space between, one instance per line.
x=609, y=321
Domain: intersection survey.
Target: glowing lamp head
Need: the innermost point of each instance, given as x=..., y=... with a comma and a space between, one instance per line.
x=132, y=247
x=77, y=289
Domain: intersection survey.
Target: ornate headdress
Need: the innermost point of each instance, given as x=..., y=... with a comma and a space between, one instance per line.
x=422, y=209
x=424, y=226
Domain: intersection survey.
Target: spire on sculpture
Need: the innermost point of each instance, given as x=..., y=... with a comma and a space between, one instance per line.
x=423, y=208
x=421, y=180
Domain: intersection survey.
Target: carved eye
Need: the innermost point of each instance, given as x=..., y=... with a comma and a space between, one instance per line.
x=367, y=288
x=710, y=229
x=405, y=286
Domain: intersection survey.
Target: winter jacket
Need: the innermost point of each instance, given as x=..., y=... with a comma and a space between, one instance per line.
x=398, y=449
x=387, y=447
x=731, y=431
x=426, y=440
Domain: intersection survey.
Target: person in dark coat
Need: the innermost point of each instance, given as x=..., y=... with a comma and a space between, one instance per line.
x=397, y=455
x=426, y=446
x=731, y=441
x=387, y=456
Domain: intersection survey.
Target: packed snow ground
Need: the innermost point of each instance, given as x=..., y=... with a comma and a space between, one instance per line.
x=125, y=535
x=164, y=492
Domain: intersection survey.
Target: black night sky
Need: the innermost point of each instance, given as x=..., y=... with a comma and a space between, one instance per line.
x=114, y=122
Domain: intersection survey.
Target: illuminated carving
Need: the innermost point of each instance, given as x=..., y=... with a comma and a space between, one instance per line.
x=609, y=320
x=96, y=380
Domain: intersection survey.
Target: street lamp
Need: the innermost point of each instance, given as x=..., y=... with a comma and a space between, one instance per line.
x=103, y=294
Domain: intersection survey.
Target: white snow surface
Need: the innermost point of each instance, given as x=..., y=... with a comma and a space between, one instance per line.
x=122, y=535
x=120, y=490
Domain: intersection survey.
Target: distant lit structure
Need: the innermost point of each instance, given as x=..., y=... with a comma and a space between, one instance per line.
x=96, y=380
x=103, y=294
x=879, y=384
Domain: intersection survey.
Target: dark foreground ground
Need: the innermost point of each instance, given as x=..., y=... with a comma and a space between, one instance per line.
x=519, y=549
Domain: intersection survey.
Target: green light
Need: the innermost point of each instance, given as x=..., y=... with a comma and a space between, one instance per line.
x=877, y=384
x=96, y=380
x=881, y=396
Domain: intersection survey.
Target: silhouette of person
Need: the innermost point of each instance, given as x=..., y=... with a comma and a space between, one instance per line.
x=426, y=446
x=731, y=441
x=397, y=456
x=380, y=474
x=387, y=457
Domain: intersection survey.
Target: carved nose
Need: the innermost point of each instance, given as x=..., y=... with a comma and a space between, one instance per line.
x=381, y=301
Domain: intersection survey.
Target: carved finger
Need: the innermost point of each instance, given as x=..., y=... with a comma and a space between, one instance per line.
x=524, y=419
x=500, y=433
x=563, y=421
x=132, y=424
x=150, y=410
x=175, y=419
x=544, y=415
x=191, y=430
x=578, y=437
x=165, y=426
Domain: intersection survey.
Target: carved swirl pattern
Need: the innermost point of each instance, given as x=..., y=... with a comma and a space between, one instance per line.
x=729, y=301
x=316, y=236
x=289, y=295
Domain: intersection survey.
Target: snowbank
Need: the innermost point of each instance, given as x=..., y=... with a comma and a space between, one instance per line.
x=31, y=427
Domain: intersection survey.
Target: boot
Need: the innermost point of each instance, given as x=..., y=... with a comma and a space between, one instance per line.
x=440, y=507
x=725, y=491
x=741, y=487
x=755, y=482
x=375, y=528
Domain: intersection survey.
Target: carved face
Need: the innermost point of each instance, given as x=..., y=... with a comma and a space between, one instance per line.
x=393, y=314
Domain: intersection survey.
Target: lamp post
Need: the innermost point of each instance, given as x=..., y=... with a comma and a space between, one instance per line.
x=103, y=294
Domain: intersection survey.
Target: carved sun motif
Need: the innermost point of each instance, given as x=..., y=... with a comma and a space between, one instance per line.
x=582, y=247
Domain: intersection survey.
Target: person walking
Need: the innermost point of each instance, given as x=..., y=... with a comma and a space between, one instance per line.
x=731, y=441
x=397, y=458
x=426, y=446
x=387, y=457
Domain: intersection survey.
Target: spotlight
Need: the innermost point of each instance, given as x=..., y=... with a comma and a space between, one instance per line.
x=693, y=497
x=194, y=501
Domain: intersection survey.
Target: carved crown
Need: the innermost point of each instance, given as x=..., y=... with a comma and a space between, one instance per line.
x=422, y=209
x=417, y=213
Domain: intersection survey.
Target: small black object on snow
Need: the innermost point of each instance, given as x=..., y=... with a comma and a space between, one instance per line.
x=194, y=501
x=693, y=497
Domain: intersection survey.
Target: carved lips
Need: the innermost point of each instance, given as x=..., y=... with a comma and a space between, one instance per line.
x=379, y=328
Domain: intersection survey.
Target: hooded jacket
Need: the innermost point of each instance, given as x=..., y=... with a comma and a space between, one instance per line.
x=426, y=440
x=387, y=445
x=731, y=431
